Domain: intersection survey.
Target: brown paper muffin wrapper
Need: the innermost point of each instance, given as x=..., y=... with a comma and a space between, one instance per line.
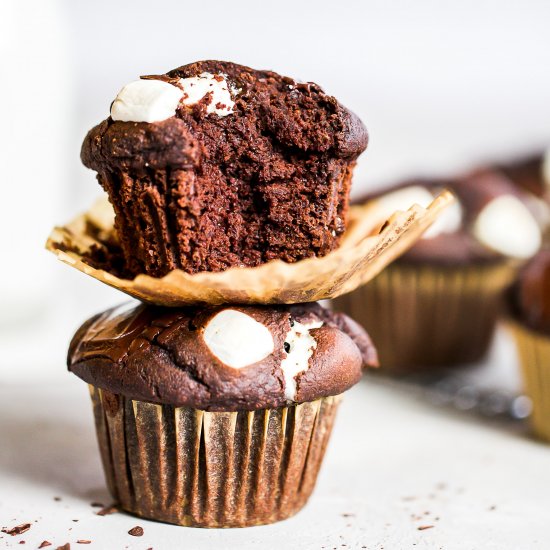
x=424, y=317
x=367, y=247
x=211, y=469
x=534, y=355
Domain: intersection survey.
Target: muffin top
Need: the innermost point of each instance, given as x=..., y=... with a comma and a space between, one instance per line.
x=531, y=173
x=491, y=219
x=530, y=295
x=220, y=113
x=221, y=358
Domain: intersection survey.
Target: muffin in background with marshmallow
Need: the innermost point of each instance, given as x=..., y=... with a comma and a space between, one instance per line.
x=529, y=309
x=438, y=304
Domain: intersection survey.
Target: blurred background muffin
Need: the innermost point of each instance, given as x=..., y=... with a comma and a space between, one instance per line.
x=439, y=303
x=529, y=303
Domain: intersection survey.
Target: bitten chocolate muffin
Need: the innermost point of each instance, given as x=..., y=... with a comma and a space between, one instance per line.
x=438, y=304
x=215, y=165
x=529, y=301
x=216, y=416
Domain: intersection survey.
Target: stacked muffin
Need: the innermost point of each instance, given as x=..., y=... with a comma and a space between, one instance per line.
x=219, y=415
x=439, y=303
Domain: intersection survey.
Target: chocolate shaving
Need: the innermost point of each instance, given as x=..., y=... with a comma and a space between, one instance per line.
x=66, y=546
x=424, y=527
x=108, y=510
x=45, y=543
x=83, y=541
x=136, y=531
x=97, y=505
x=17, y=530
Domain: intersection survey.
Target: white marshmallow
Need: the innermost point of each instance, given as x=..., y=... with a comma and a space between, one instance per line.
x=237, y=339
x=448, y=221
x=507, y=226
x=196, y=87
x=301, y=345
x=146, y=101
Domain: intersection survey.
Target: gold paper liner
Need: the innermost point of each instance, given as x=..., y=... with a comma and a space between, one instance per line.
x=534, y=355
x=211, y=469
x=363, y=253
x=424, y=317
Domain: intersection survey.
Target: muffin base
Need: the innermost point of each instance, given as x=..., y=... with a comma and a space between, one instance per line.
x=424, y=317
x=534, y=355
x=211, y=469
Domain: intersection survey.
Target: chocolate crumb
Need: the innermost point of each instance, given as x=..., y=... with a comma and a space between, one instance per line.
x=57, y=499
x=136, y=531
x=424, y=527
x=347, y=515
x=17, y=530
x=97, y=505
x=75, y=520
x=22, y=542
x=492, y=508
x=45, y=543
x=108, y=510
x=83, y=541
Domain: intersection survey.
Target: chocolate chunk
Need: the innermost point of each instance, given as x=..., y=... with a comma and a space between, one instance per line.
x=17, y=530
x=136, y=531
x=45, y=543
x=108, y=510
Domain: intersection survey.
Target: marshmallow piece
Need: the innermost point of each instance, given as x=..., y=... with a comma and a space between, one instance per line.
x=300, y=345
x=237, y=339
x=507, y=226
x=196, y=87
x=146, y=101
x=449, y=221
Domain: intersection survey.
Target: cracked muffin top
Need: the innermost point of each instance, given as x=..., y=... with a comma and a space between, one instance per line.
x=221, y=358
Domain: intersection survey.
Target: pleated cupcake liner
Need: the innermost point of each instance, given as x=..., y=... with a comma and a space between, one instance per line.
x=534, y=356
x=370, y=243
x=211, y=469
x=424, y=317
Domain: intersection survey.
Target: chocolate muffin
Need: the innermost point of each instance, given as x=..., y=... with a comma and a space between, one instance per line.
x=215, y=165
x=529, y=301
x=438, y=304
x=531, y=173
x=220, y=416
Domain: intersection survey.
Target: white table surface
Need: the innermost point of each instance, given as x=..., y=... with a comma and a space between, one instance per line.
x=396, y=462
